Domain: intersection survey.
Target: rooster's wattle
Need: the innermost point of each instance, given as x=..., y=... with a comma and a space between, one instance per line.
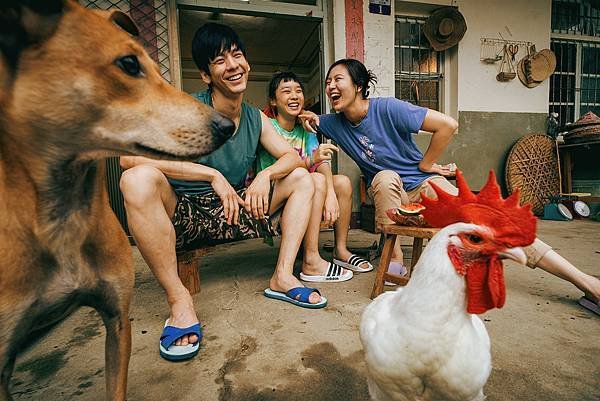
x=423, y=341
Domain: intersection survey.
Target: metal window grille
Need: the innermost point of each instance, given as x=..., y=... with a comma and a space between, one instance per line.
x=576, y=17
x=151, y=18
x=417, y=65
x=575, y=84
x=563, y=81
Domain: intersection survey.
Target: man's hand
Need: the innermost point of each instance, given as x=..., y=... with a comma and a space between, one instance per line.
x=257, y=195
x=230, y=199
x=445, y=170
x=323, y=152
x=309, y=120
x=331, y=209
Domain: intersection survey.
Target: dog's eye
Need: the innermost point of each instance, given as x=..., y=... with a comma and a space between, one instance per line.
x=130, y=65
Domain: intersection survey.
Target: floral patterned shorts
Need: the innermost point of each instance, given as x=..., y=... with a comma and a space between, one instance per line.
x=199, y=221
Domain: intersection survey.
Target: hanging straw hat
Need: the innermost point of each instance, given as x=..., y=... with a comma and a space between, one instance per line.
x=524, y=73
x=444, y=28
x=543, y=64
x=535, y=68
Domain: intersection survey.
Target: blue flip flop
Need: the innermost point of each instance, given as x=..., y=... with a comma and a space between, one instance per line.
x=171, y=334
x=298, y=296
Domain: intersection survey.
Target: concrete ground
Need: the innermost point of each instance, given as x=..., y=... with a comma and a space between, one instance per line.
x=545, y=347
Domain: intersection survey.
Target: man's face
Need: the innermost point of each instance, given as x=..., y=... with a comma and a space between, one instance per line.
x=228, y=72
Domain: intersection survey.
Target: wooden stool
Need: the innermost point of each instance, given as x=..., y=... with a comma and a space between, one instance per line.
x=188, y=268
x=391, y=232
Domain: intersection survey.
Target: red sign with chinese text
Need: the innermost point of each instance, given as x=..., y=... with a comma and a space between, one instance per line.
x=355, y=34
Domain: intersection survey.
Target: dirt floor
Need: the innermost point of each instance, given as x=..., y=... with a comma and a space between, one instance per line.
x=544, y=346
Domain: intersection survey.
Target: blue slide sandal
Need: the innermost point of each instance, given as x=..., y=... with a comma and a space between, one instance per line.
x=298, y=296
x=171, y=334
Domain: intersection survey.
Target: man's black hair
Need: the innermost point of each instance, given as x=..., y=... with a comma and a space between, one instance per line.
x=211, y=40
x=279, y=77
x=361, y=77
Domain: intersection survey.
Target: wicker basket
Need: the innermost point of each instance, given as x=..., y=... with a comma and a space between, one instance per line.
x=532, y=165
x=584, y=132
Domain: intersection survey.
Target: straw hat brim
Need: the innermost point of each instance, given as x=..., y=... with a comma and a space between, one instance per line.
x=523, y=77
x=430, y=28
x=543, y=64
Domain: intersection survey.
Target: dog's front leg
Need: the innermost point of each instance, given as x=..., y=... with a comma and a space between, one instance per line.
x=8, y=364
x=117, y=352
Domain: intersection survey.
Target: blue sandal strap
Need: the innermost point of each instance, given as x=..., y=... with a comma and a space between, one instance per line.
x=171, y=334
x=301, y=294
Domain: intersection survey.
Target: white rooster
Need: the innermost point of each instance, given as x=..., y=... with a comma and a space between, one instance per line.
x=424, y=342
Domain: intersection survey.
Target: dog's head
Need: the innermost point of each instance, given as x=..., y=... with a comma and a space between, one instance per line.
x=77, y=81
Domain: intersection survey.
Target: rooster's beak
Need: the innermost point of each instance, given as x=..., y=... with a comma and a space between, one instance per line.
x=517, y=254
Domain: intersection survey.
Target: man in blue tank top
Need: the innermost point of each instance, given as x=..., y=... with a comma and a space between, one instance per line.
x=175, y=206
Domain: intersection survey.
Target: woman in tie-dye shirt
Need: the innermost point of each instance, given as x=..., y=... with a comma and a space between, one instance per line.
x=332, y=202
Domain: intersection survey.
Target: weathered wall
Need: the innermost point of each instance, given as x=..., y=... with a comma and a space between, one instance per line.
x=485, y=140
x=479, y=90
x=492, y=115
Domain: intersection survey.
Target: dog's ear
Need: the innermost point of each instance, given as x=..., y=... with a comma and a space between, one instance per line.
x=123, y=21
x=27, y=22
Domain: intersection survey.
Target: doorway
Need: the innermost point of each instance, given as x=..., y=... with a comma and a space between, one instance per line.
x=273, y=43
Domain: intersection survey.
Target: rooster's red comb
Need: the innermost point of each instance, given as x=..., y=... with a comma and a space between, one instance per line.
x=511, y=224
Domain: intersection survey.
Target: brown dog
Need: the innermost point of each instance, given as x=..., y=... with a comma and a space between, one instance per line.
x=76, y=86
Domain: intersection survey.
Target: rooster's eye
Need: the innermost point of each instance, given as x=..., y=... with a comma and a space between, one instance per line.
x=475, y=239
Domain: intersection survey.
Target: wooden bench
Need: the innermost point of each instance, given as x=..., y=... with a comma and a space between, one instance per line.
x=188, y=268
x=391, y=232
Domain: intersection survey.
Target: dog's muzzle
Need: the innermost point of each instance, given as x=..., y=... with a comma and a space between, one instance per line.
x=222, y=128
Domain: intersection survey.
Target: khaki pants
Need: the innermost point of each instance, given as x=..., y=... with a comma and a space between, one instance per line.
x=387, y=192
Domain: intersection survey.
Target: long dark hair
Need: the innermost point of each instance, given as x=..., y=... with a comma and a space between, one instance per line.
x=361, y=77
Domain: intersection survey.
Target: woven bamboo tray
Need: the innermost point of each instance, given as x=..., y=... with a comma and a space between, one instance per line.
x=532, y=165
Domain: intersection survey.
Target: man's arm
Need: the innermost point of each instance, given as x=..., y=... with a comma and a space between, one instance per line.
x=442, y=127
x=257, y=194
x=287, y=158
x=189, y=171
x=178, y=170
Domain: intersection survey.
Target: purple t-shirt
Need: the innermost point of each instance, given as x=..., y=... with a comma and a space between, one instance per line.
x=382, y=140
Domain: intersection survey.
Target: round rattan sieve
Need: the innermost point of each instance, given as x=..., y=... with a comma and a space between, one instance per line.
x=532, y=165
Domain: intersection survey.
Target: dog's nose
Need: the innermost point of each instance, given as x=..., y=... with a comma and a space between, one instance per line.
x=222, y=127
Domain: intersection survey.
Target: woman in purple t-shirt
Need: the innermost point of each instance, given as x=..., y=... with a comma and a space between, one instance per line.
x=376, y=134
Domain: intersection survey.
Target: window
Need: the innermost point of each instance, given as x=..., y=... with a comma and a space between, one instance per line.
x=562, y=82
x=417, y=65
x=151, y=19
x=576, y=17
x=575, y=84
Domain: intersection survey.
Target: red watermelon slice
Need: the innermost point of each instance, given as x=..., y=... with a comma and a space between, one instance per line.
x=412, y=209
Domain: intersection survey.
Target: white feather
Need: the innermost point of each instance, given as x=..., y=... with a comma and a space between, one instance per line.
x=420, y=343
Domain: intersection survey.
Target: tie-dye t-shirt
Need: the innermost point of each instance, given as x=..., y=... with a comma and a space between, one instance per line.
x=303, y=141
